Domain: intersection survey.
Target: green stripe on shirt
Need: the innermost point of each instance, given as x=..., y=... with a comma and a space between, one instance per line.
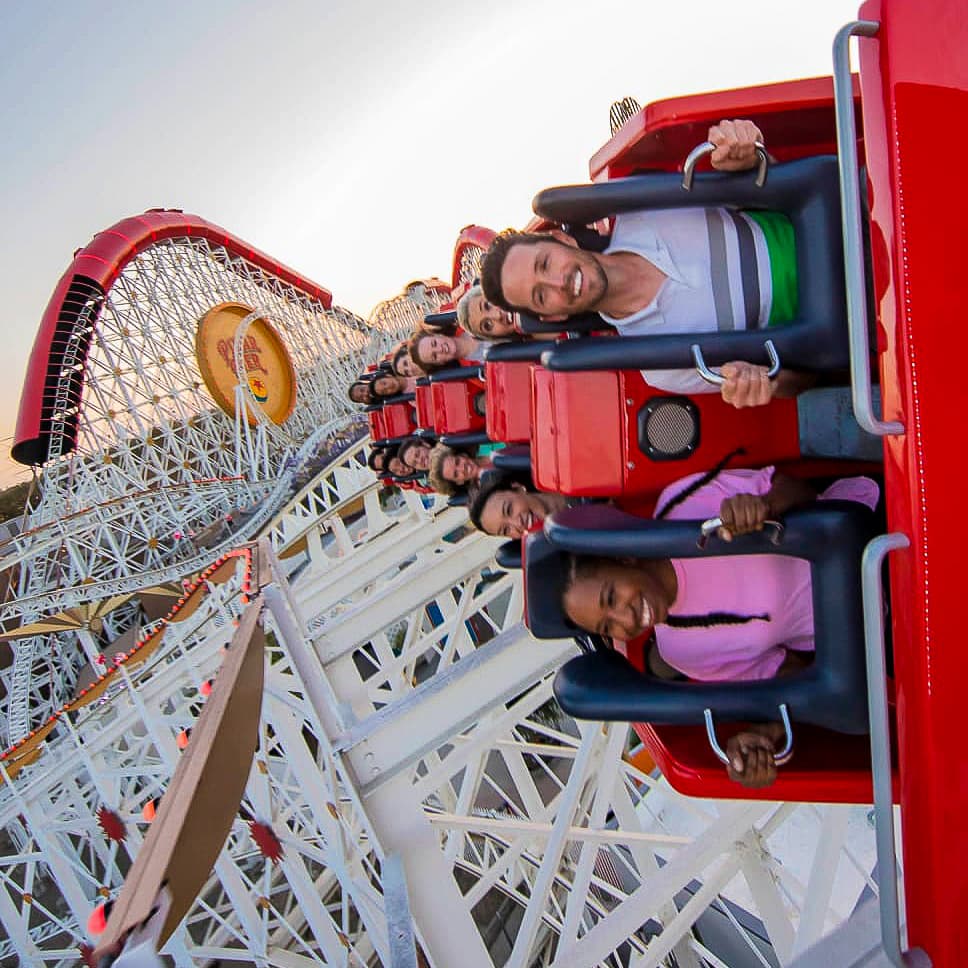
x=781, y=245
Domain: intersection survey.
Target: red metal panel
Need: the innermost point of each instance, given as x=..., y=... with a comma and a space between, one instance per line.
x=377, y=424
x=398, y=420
x=101, y=260
x=425, y=407
x=585, y=435
x=816, y=774
x=796, y=118
x=578, y=424
x=453, y=405
x=509, y=401
x=914, y=79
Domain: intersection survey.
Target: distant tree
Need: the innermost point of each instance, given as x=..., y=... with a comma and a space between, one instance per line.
x=13, y=499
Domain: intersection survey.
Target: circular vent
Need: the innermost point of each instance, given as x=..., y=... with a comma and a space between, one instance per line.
x=669, y=428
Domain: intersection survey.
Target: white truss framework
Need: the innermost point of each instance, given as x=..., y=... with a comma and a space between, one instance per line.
x=160, y=478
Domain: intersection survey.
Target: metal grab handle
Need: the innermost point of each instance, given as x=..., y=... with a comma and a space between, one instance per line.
x=708, y=528
x=779, y=758
x=873, y=594
x=716, y=378
x=860, y=374
x=707, y=148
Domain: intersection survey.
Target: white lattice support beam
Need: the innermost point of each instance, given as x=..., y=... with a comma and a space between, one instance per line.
x=15, y=928
x=320, y=797
x=754, y=863
x=823, y=873
x=395, y=737
x=645, y=860
x=678, y=929
x=320, y=589
x=444, y=923
x=396, y=817
x=554, y=848
x=438, y=573
x=662, y=886
x=57, y=856
x=243, y=906
x=605, y=783
x=403, y=952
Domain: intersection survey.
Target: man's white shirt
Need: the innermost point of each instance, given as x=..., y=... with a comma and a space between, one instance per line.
x=717, y=270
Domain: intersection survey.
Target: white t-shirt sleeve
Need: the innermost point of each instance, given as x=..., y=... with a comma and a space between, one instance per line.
x=678, y=381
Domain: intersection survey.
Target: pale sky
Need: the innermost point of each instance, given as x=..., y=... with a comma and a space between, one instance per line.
x=350, y=140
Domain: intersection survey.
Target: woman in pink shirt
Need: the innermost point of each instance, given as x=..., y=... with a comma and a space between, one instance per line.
x=726, y=618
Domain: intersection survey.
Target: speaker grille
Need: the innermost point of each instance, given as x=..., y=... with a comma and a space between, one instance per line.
x=669, y=428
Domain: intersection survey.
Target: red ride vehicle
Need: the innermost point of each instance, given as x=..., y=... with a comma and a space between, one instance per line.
x=887, y=125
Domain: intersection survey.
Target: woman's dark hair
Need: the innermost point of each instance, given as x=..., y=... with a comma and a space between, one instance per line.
x=697, y=484
x=367, y=387
x=412, y=441
x=378, y=395
x=387, y=453
x=490, y=481
x=398, y=354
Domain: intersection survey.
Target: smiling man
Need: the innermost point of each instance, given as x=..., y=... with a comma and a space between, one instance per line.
x=683, y=270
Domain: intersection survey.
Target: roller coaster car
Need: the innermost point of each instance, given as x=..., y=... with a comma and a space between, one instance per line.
x=507, y=374
x=451, y=404
x=829, y=696
x=635, y=438
x=913, y=82
x=391, y=420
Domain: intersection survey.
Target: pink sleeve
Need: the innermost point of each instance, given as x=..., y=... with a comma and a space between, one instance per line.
x=860, y=489
x=706, y=501
x=706, y=665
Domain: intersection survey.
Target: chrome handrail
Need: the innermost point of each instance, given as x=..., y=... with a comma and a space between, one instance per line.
x=857, y=323
x=873, y=595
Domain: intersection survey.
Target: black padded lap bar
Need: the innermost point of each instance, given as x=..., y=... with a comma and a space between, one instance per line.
x=831, y=535
x=515, y=458
x=465, y=440
x=806, y=191
x=515, y=352
x=387, y=442
x=441, y=319
x=509, y=555
x=456, y=374
x=581, y=323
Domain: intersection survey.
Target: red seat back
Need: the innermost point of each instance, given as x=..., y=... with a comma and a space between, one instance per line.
x=509, y=401
x=425, y=407
x=586, y=430
x=455, y=406
x=392, y=420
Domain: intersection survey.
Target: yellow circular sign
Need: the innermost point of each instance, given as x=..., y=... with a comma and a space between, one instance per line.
x=265, y=365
